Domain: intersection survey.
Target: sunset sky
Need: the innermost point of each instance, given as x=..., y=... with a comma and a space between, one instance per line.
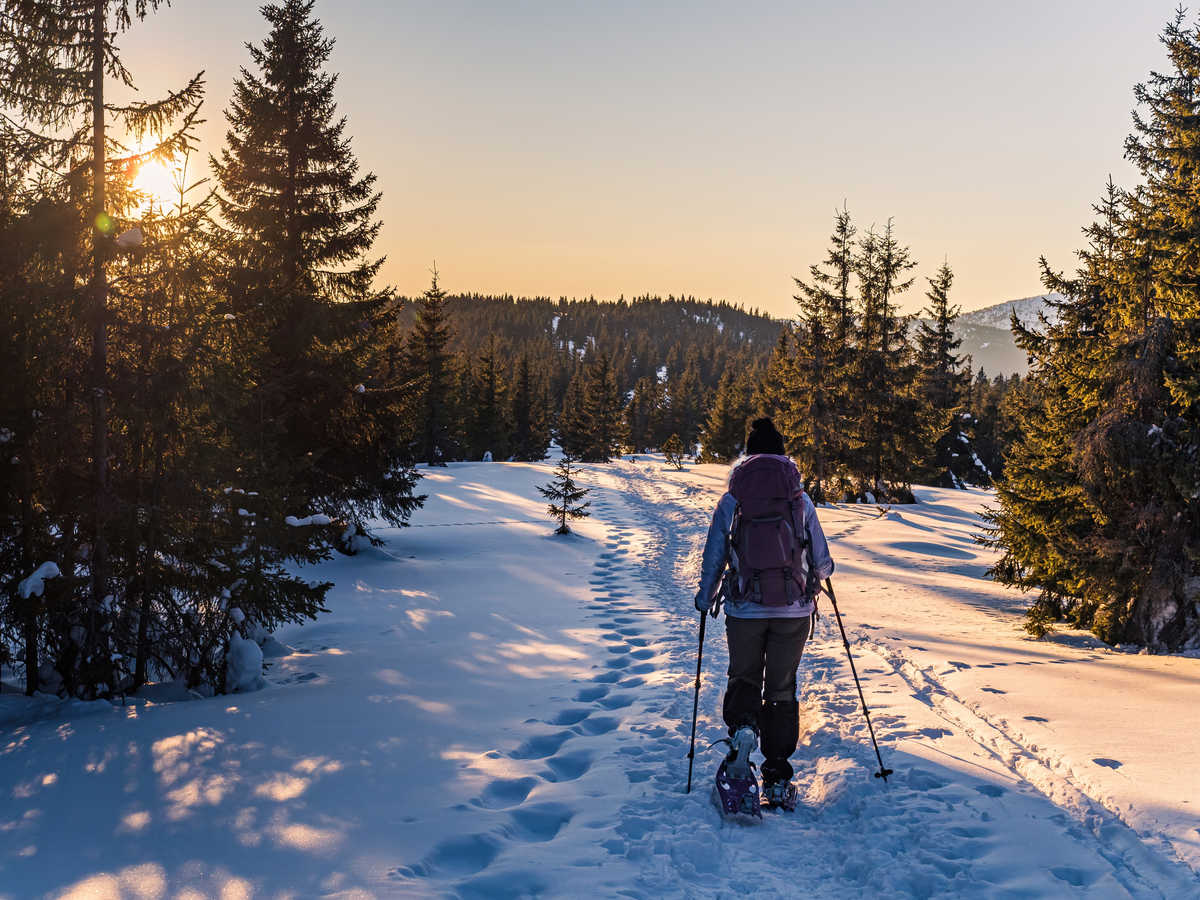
x=606, y=148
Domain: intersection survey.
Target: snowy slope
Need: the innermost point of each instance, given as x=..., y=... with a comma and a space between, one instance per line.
x=491, y=711
x=1000, y=315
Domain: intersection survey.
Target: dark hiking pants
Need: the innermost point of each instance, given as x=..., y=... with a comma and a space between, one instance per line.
x=763, y=657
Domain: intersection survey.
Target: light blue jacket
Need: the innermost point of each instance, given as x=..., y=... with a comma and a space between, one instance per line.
x=716, y=556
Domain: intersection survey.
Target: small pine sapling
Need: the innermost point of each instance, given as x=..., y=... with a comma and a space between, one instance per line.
x=564, y=496
x=672, y=449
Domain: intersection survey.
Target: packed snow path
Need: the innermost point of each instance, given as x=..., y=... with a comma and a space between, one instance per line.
x=490, y=711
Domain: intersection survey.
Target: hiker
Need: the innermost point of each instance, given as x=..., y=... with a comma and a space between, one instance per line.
x=765, y=530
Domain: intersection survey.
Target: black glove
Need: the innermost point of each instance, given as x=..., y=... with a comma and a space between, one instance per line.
x=704, y=604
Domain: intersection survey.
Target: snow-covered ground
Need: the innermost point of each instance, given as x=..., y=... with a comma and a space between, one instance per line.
x=490, y=711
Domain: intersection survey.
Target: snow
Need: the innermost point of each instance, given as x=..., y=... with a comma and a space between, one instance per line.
x=488, y=710
x=554, y=324
x=36, y=583
x=662, y=373
x=1000, y=315
x=243, y=665
x=318, y=519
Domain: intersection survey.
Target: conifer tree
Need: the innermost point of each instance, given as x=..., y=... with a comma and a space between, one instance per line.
x=574, y=424
x=724, y=434
x=770, y=398
x=55, y=62
x=884, y=372
x=486, y=413
x=823, y=388
x=530, y=435
x=429, y=366
x=321, y=429
x=686, y=403
x=604, y=413
x=644, y=414
x=1098, y=502
x=673, y=451
x=564, y=496
x=941, y=389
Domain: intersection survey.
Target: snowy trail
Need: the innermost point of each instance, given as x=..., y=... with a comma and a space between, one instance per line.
x=966, y=803
x=488, y=711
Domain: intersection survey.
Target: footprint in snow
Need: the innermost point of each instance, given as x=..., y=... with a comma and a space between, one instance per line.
x=541, y=822
x=1036, y=719
x=991, y=690
x=570, y=716
x=599, y=725
x=505, y=792
x=542, y=746
x=1107, y=763
x=989, y=790
x=568, y=766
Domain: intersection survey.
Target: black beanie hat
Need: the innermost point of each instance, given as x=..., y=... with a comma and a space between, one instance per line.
x=763, y=438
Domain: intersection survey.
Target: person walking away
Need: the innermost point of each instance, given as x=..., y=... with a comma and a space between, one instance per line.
x=767, y=553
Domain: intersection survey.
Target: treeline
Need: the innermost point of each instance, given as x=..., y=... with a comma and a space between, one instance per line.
x=197, y=394
x=604, y=378
x=1100, y=502
x=518, y=371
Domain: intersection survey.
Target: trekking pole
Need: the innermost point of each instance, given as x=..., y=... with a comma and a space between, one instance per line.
x=696, y=702
x=883, y=772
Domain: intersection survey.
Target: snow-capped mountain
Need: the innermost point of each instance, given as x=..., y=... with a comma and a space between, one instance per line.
x=986, y=337
x=999, y=315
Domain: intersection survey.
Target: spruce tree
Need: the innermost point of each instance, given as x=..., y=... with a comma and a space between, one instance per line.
x=1098, y=502
x=673, y=451
x=883, y=374
x=321, y=429
x=530, y=434
x=828, y=319
x=686, y=404
x=644, y=414
x=770, y=397
x=59, y=131
x=486, y=413
x=564, y=496
x=724, y=434
x=429, y=366
x=574, y=424
x=603, y=413
x=941, y=389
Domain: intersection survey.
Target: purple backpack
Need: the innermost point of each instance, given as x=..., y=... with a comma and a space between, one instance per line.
x=768, y=543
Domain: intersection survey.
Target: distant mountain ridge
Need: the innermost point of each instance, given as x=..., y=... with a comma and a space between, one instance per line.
x=987, y=339
x=999, y=315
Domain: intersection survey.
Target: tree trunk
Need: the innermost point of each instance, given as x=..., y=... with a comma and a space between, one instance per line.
x=28, y=604
x=100, y=226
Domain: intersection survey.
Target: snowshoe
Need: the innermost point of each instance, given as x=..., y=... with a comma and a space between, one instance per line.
x=738, y=795
x=737, y=785
x=780, y=795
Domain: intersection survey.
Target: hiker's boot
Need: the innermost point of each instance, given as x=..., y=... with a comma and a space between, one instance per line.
x=741, y=745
